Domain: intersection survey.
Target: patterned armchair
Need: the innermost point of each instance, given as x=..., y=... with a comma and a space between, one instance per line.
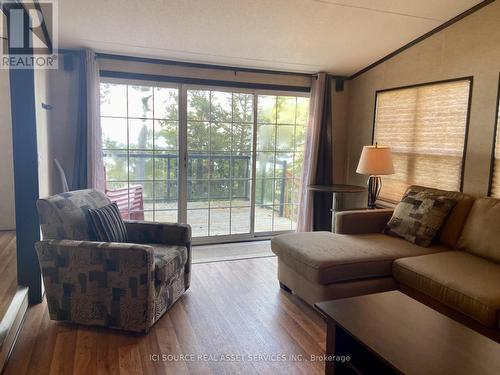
x=126, y=286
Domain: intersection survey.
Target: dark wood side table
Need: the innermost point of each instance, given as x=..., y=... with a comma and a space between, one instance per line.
x=391, y=333
x=336, y=189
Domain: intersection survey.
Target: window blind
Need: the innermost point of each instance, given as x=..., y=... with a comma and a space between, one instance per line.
x=425, y=126
x=495, y=182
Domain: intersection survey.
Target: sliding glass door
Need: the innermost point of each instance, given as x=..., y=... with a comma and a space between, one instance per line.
x=226, y=161
x=219, y=169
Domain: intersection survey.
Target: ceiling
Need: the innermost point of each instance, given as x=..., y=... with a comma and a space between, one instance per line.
x=337, y=36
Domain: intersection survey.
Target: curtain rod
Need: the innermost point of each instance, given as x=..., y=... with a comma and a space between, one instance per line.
x=109, y=56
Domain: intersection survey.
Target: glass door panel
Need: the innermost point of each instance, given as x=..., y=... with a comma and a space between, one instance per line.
x=219, y=153
x=281, y=131
x=140, y=131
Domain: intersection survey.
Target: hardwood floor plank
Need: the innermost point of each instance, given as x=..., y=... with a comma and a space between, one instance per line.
x=46, y=339
x=63, y=353
x=8, y=269
x=26, y=345
x=187, y=338
x=129, y=359
x=233, y=320
x=86, y=352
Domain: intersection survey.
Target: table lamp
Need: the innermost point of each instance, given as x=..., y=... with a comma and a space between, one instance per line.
x=375, y=161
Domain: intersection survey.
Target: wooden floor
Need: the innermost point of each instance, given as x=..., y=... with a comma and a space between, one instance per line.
x=8, y=270
x=233, y=308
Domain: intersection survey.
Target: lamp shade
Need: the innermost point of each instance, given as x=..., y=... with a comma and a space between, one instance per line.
x=375, y=160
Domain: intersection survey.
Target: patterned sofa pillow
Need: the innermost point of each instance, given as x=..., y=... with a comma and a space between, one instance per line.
x=108, y=224
x=419, y=216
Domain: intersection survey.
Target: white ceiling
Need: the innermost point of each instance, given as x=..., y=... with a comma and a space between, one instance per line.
x=337, y=36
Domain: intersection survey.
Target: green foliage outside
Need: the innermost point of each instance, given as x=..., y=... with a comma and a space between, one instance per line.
x=220, y=141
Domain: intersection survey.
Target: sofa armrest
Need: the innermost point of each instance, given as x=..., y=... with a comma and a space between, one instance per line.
x=362, y=221
x=152, y=232
x=99, y=283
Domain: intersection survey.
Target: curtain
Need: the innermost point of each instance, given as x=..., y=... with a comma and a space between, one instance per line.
x=89, y=166
x=314, y=209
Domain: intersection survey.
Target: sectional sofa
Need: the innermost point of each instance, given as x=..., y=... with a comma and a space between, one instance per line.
x=459, y=274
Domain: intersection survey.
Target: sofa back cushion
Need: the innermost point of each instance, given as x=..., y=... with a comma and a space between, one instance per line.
x=452, y=227
x=66, y=216
x=481, y=233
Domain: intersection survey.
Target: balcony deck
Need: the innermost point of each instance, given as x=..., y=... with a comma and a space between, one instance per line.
x=224, y=219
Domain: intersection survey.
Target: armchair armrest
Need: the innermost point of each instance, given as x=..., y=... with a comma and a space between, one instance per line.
x=152, y=232
x=99, y=283
x=362, y=221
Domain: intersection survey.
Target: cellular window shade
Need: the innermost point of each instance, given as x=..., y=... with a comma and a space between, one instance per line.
x=495, y=182
x=425, y=127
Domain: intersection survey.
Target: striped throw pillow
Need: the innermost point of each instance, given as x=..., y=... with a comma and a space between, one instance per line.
x=108, y=224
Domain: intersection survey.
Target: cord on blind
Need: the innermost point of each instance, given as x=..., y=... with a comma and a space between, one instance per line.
x=425, y=126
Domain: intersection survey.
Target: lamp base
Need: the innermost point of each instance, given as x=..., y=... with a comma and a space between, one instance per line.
x=374, y=186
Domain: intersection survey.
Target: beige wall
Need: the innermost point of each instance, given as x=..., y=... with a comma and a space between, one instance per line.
x=7, y=207
x=43, y=133
x=63, y=96
x=470, y=47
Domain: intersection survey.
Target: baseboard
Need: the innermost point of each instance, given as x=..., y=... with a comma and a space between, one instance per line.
x=11, y=324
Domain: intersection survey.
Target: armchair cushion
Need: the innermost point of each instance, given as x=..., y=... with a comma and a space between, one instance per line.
x=169, y=261
x=108, y=224
x=65, y=216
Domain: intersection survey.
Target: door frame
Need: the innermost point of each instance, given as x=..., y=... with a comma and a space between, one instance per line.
x=183, y=150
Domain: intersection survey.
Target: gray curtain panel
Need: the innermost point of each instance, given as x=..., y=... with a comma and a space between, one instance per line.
x=314, y=210
x=89, y=167
x=322, y=217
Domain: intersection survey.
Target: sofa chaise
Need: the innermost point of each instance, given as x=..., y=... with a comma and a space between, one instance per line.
x=459, y=274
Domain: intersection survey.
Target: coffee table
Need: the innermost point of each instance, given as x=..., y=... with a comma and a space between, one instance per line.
x=391, y=333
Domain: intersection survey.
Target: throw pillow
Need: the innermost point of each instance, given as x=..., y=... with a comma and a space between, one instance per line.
x=108, y=224
x=418, y=217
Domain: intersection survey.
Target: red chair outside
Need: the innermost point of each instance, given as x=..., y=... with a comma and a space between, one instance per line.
x=121, y=196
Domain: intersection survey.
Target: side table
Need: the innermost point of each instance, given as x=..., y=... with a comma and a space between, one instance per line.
x=336, y=189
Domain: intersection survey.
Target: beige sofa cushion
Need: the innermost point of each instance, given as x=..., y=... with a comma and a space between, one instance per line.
x=458, y=279
x=452, y=227
x=481, y=234
x=325, y=258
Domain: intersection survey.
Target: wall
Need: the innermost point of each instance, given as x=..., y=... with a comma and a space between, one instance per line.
x=470, y=47
x=43, y=133
x=63, y=96
x=7, y=209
